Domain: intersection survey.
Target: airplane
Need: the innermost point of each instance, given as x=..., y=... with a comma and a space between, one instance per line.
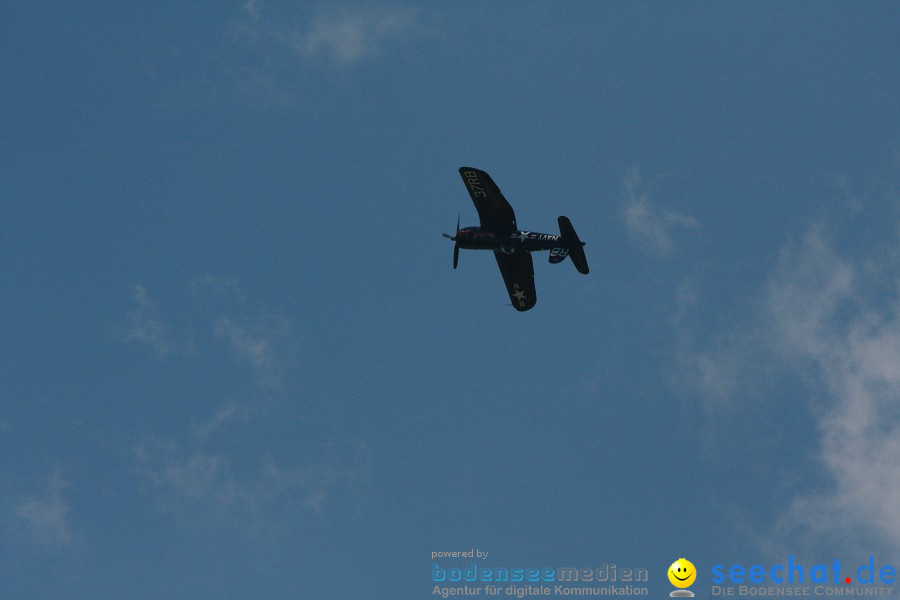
x=512, y=248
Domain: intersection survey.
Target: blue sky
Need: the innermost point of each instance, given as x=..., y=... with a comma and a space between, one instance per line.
x=236, y=361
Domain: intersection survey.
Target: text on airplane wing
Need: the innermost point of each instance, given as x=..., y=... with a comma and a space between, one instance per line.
x=494, y=211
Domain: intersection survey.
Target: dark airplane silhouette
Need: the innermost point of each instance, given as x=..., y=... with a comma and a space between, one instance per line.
x=512, y=248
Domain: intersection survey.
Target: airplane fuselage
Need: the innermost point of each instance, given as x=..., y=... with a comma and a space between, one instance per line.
x=476, y=238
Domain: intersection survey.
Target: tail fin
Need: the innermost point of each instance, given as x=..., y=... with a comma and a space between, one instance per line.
x=576, y=252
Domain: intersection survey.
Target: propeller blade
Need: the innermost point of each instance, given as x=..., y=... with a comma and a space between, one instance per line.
x=449, y=237
x=455, y=255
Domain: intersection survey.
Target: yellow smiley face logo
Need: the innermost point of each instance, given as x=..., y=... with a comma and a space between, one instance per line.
x=682, y=573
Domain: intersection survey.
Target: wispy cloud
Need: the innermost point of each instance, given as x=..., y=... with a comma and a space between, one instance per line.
x=716, y=368
x=217, y=467
x=841, y=319
x=265, y=343
x=145, y=325
x=47, y=516
x=193, y=480
x=337, y=36
x=228, y=413
x=831, y=321
x=349, y=36
x=648, y=224
x=276, y=48
x=191, y=475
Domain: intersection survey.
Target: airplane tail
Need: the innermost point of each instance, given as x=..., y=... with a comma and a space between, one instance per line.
x=573, y=247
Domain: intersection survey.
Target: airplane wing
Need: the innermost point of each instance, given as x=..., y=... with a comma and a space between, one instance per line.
x=518, y=275
x=495, y=212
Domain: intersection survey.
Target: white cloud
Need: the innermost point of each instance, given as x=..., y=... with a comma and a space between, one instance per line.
x=145, y=325
x=314, y=485
x=349, y=36
x=841, y=319
x=277, y=52
x=649, y=225
x=229, y=412
x=218, y=468
x=831, y=322
x=196, y=481
x=46, y=517
x=192, y=475
x=266, y=344
x=252, y=9
x=849, y=193
x=339, y=36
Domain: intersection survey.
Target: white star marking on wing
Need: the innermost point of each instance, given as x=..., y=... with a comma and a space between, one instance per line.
x=519, y=295
x=523, y=235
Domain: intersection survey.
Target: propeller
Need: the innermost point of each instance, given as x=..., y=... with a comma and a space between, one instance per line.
x=452, y=238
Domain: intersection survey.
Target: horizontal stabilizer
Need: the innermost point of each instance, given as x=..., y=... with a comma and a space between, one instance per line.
x=574, y=245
